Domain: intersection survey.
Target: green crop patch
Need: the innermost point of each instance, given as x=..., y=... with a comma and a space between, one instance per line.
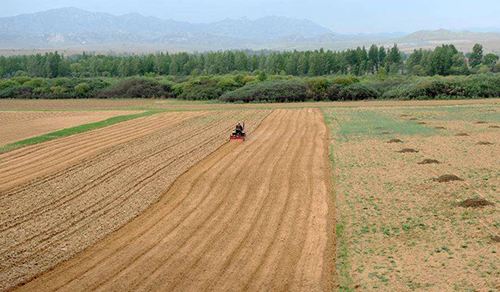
x=360, y=124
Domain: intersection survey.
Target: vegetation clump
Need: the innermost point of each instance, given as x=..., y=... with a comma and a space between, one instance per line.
x=447, y=178
x=429, y=161
x=475, y=203
x=408, y=150
x=269, y=91
x=395, y=141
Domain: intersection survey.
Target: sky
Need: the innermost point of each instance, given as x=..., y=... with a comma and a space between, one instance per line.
x=342, y=16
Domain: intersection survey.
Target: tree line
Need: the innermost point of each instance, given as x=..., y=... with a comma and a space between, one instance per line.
x=444, y=60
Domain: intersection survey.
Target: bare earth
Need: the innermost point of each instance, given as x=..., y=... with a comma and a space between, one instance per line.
x=173, y=104
x=22, y=165
x=17, y=126
x=254, y=216
x=65, y=207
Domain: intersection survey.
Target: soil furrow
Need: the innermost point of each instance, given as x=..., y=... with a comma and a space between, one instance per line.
x=38, y=163
x=110, y=204
x=246, y=216
x=102, y=178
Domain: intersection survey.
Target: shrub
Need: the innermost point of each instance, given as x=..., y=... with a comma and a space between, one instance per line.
x=358, y=92
x=137, y=88
x=206, y=88
x=318, y=88
x=82, y=89
x=269, y=91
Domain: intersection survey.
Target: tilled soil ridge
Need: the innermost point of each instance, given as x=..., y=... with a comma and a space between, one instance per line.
x=50, y=219
x=252, y=216
x=25, y=164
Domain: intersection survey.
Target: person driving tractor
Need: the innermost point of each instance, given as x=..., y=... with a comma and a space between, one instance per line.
x=239, y=129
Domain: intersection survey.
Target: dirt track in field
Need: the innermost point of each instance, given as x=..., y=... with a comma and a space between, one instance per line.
x=21, y=125
x=251, y=216
x=52, y=217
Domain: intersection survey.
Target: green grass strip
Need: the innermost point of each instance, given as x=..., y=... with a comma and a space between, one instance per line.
x=73, y=131
x=342, y=263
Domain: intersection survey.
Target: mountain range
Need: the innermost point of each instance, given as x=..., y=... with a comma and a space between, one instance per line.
x=80, y=30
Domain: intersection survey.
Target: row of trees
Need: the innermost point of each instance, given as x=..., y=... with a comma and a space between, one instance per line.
x=444, y=60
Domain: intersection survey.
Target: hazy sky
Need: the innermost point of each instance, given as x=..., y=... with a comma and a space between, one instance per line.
x=345, y=16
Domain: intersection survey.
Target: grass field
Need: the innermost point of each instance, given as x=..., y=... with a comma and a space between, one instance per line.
x=158, y=199
x=399, y=227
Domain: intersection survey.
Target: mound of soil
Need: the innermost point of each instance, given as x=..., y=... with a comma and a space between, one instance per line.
x=495, y=238
x=395, y=141
x=408, y=150
x=440, y=128
x=462, y=134
x=475, y=203
x=429, y=161
x=484, y=143
x=447, y=178
x=404, y=115
x=421, y=123
x=494, y=127
x=481, y=122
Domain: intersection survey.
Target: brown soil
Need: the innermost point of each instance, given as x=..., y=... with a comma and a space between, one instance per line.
x=54, y=216
x=481, y=122
x=413, y=119
x=475, y=203
x=462, y=135
x=252, y=216
x=422, y=123
x=429, y=161
x=440, y=128
x=21, y=125
x=22, y=165
x=494, y=127
x=447, y=178
x=98, y=104
x=395, y=141
x=408, y=150
x=495, y=238
x=484, y=143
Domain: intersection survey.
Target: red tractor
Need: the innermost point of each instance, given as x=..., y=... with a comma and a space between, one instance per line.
x=239, y=132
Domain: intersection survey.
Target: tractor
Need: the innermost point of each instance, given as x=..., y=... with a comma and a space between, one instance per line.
x=239, y=132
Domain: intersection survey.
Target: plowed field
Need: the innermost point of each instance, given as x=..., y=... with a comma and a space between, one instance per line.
x=253, y=215
x=21, y=125
x=62, y=196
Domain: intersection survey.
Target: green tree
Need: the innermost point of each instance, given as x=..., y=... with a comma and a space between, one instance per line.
x=490, y=60
x=476, y=57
